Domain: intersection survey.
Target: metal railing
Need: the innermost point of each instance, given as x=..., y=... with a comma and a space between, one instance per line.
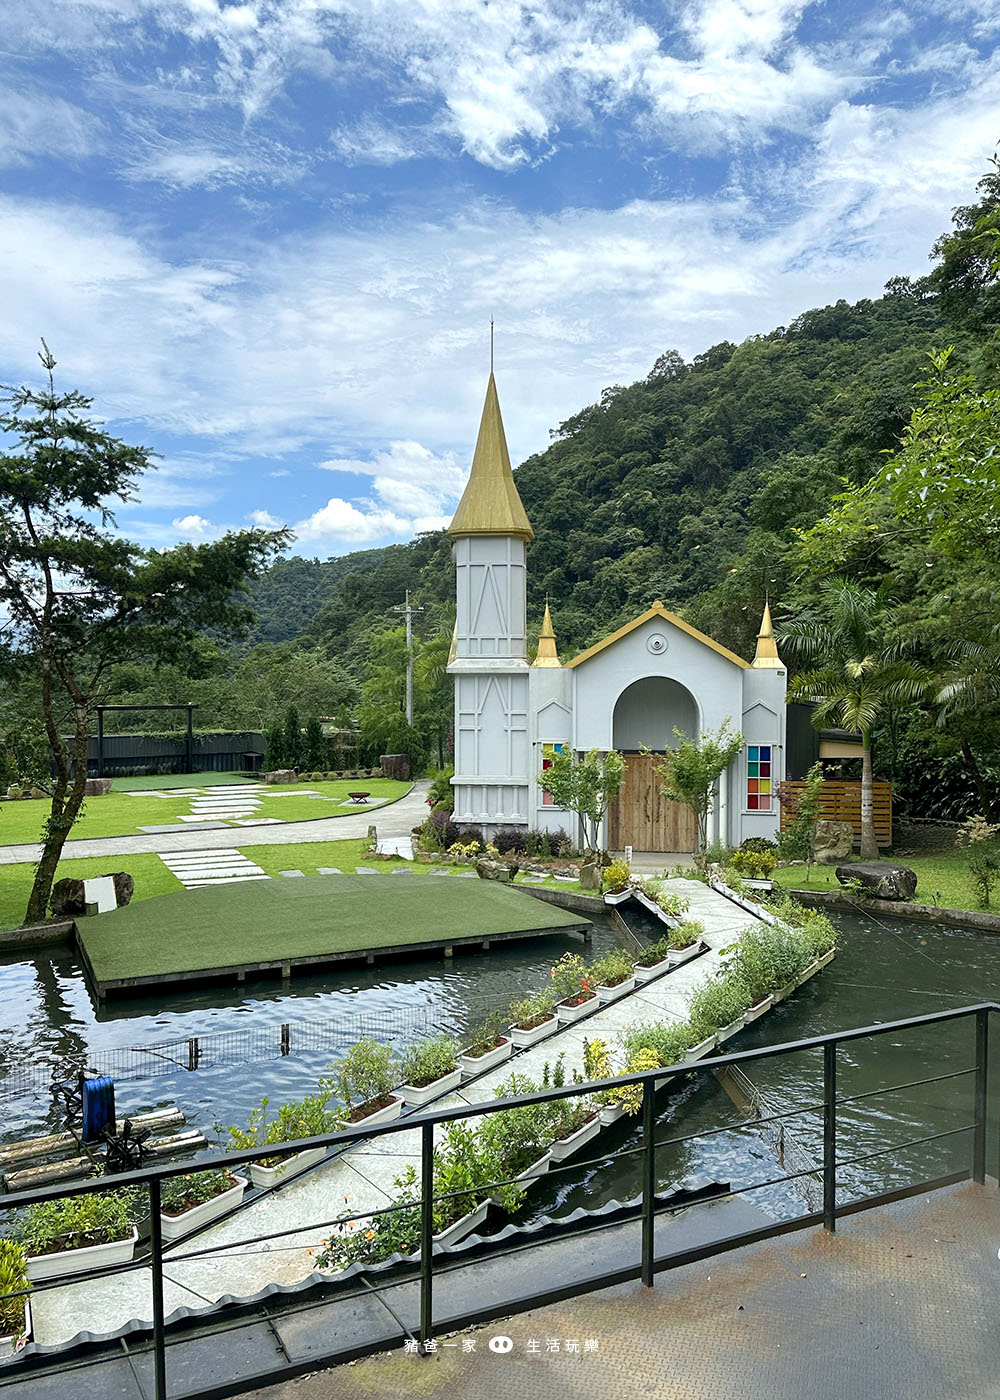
x=428, y=1266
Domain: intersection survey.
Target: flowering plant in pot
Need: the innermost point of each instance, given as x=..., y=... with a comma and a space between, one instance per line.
x=429, y=1068
x=309, y=1117
x=533, y=1016
x=74, y=1233
x=598, y=1064
x=366, y=1073
x=192, y=1200
x=572, y=985
x=15, y=1313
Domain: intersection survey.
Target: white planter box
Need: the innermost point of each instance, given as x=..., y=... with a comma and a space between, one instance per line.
x=472, y=1064
x=606, y=994
x=417, y=1095
x=699, y=1051
x=523, y=1037
x=464, y=1225
x=78, y=1261
x=645, y=974
x=173, y=1225
x=754, y=1011
x=381, y=1115
x=828, y=957
x=783, y=992
x=266, y=1177
x=764, y=885
x=568, y=1014
x=610, y=1113
x=683, y=955
x=565, y=1147
x=726, y=1031
x=9, y=1346
x=617, y=897
x=807, y=972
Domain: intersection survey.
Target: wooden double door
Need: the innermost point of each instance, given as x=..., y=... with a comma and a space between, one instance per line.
x=641, y=817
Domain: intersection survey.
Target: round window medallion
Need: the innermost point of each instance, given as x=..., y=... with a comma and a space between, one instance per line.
x=656, y=643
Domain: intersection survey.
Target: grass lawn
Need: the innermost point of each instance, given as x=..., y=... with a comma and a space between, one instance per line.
x=151, y=878
x=942, y=879
x=233, y=925
x=121, y=813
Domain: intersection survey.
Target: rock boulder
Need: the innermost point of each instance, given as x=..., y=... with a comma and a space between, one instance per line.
x=281, y=775
x=832, y=841
x=97, y=787
x=590, y=877
x=395, y=765
x=882, y=879
x=66, y=899
x=124, y=887
x=492, y=870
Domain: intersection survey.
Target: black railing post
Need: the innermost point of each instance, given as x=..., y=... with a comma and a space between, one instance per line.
x=830, y=1135
x=426, y=1234
x=156, y=1269
x=982, y=1064
x=648, y=1160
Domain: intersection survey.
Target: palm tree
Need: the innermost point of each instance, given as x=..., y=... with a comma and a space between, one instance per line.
x=858, y=671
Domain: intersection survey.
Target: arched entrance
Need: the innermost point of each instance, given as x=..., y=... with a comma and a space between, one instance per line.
x=645, y=716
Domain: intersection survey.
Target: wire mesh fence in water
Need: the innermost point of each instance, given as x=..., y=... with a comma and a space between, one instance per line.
x=244, y=1046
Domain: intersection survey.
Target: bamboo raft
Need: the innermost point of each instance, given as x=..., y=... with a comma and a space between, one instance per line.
x=25, y=1164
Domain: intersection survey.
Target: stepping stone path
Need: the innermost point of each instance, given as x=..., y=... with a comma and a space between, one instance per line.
x=366, y=870
x=195, y=869
x=290, y=874
x=328, y=870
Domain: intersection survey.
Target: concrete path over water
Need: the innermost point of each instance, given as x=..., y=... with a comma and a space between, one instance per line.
x=394, y=819
x=362, y=1179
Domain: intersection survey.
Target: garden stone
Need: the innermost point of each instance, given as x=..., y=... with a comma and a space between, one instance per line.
x=97, y=787
x=124, y=887
x=67, y=898
x=882, y=879
x=832, y=841
x=590, y=877
x=281, y=775
x=492, y=870
x=395, y=765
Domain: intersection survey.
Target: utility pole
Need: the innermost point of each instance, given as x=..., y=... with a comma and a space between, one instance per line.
x=408, y=613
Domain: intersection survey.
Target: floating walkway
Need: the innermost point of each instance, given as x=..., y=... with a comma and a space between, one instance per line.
x=231, y=930
x=362, y=1178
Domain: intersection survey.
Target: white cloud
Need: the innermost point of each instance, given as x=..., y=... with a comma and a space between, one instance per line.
x=195, y=527
x=341, y=522
x=265, y=520
x=34, y=124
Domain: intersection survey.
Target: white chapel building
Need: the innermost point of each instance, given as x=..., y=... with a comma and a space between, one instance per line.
x=626, y=692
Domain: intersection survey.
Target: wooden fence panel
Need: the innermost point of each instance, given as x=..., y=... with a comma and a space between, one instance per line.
x=840, y=801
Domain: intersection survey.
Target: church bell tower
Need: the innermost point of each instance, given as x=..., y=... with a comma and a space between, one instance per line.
x=493, y=781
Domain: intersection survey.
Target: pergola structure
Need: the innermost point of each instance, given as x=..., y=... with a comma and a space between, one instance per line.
x=189, y=740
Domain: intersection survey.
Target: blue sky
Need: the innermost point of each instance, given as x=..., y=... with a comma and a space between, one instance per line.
x=268, y=237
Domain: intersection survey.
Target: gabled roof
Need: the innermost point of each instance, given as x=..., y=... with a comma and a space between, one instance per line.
x=490, y=504
x=658, y=610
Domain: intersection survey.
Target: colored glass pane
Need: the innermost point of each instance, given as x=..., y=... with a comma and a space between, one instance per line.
x=752, y=770
x=752, y=785
x=765, y=770
x=764, y=804
x=765, y=785
x=753, y=754
x=765, y=753
x=752, y=802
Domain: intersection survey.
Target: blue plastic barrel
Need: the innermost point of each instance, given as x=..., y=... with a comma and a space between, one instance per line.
x=98, y=1107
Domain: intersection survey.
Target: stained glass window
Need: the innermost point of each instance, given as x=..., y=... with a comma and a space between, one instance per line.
x=759, y=778
x=549, y=752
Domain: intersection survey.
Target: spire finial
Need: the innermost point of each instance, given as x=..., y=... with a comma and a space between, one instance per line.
x=766, y=657
x=491, y=345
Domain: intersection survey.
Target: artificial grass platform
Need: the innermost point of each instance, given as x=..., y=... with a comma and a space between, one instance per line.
x=230, y=930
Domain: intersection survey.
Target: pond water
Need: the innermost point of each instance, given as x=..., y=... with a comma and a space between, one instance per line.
x=885, y=970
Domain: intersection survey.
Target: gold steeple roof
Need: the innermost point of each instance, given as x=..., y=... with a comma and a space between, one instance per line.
x=490, y=504
x=547, y=654
x=766, y=656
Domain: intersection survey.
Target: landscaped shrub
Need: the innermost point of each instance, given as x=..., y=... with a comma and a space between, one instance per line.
x=532, y=1010
x=718, y=1002
x=306, y=1117
x=510, y=838
x=617, y=876
x=756, y=865
x=611, y=968
x=448, y=832
x=12, y=1280
x=629, y=1096
x=429, y=1060
x=468, y=834
x=766, y=957
x=74, y=1222
x=331, y=776
x=441, y=793
x=670, y=1042
x=760, y=844
x=366, y=1074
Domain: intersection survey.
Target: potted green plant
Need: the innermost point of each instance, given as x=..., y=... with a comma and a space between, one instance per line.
x=597, y=1064
x=430, y=1068
x=718, y=1005
x=654, y=960
x=366, y=1073
x=617, y=880
x=754, y=867
x=612, y=974
x=685, y=941
x=72, y=1234
x=573, y=1121
x=516, y=1140
x=534, y=1016
x=629, y=1096
x=193, y=1200
x=487, y=1045
x=306, y=1118
x=15, y=1313
x=573, y=988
